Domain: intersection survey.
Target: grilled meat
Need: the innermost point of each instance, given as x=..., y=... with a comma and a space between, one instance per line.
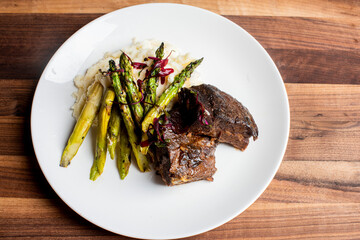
x=203, y=117
x=187, y=157
x=226, y=118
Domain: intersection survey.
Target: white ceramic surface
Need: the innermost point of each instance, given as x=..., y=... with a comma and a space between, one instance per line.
x=141, y=206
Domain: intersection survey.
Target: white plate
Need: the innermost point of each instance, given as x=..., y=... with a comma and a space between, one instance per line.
x=141, y=206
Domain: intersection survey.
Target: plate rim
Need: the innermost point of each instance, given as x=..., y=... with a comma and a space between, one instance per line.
x=209, y=227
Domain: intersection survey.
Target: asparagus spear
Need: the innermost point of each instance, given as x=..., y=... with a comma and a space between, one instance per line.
x=150, y=97
x=141, y=159
x=131, y=88
x=83, y=124
x=151, y=85
x=104, y=116
x=169, y=94
x=113, y=130
x=123, y=158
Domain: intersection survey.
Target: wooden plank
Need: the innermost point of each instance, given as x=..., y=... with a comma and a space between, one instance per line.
x=309, y=198
x=16, y=96
x=324, y=102
x=324, y=136
x=317, y=66
x=300, y=8
x=21, y=177
x=292, y=221
x=324, y=122
x=26, y=217
x=301, y=33
x=316, y=192
x=324, y=141
x=309, y=50
x=305, y=50
x=327, y=182
x=310, y=188
x=15, y=136
x=339, y=175
x=38, y=217
x=30, y=41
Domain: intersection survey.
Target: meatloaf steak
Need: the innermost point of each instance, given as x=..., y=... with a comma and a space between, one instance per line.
x=187, y=157
x=226, y=118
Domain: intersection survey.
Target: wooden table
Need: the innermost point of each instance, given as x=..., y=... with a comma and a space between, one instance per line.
x=314, y=43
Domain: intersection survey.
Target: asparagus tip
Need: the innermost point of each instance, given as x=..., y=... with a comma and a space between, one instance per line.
x=112, y=65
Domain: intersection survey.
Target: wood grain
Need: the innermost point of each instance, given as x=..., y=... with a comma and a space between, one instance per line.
x=344, y=10
x=321, y=202
x=329, y=182
x=316, y=46
x=15, y=136
x=317, y=66
x=339, y=175
x=290, y=186
x=324, y=128
x=262, y=220
x=305, y=50
x=16, y=96
x=324, y=122
x=21, y=177
x=301, y=33
x=31, y=40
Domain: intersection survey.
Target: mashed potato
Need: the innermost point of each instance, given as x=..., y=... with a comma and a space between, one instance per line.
x=137, y=51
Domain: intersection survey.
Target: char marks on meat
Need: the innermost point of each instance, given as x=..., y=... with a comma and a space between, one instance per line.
x=187, y=157
x=228, y=120
x=189, y=154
